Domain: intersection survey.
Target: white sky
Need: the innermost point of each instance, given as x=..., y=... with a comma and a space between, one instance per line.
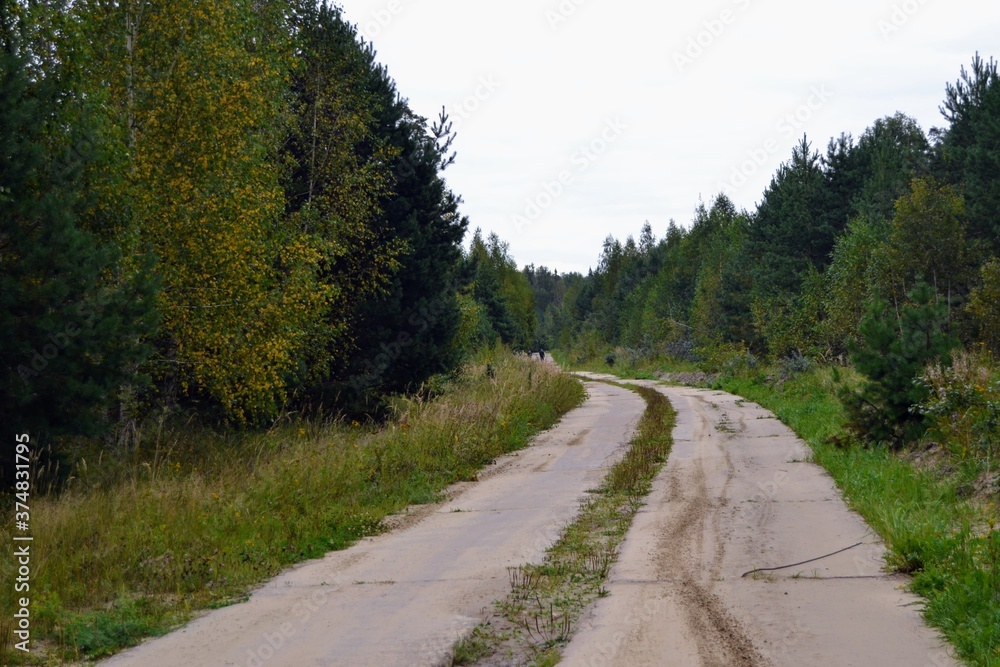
x=531, y=83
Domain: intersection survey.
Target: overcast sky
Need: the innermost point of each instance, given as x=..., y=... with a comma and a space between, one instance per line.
x=583, y=118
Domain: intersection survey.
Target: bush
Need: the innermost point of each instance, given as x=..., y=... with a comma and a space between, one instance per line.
x=586, y=347
x=963, y=406
x=892, y=353
x=681, y=349
x=729, y=358
x=793, y=365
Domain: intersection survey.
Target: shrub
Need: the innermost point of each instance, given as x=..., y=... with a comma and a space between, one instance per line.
x=963, y=406
x=681, y=349
x=892, y=353
x=793, y=365
x=729, y=358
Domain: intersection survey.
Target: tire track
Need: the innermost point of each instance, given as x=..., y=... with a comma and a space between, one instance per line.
x=739, y=493
x=721, y=640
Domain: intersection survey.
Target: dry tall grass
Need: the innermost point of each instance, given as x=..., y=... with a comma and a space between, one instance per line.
x=196, y=520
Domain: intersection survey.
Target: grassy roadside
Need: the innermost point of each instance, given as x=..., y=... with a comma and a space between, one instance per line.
x=934, y=529
x=539, y=616
x=196, y=520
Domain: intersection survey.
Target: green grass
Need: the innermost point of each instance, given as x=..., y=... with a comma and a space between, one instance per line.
x=538, y=617
x=946, y=540
x=194, y=520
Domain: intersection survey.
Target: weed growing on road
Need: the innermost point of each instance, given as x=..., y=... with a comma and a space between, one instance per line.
x=725, y=425
x=198, y=519
x=539, y=615
x=480, y=643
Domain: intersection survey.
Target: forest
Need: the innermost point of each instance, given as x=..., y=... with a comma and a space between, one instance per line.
x=228, y=211
x=859, y=301
x=231, y=212
x=233, y=278
x=241, y=323
x=882, y=250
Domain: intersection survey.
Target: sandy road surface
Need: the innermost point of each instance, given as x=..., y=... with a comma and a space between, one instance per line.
x=404, y=597
x=737, y=494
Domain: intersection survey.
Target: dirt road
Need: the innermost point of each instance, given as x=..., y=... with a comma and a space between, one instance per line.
x=404, y=597
x=738, y=494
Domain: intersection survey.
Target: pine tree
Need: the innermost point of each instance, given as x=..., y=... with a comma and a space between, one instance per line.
x=70, y=338
x=891, y=354
x=406, y=334
x=969, y=148
x=504, y=293
x=790, y=231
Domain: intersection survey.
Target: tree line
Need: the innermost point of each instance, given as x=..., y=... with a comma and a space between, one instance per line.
x=873, y=227
x=224, y=208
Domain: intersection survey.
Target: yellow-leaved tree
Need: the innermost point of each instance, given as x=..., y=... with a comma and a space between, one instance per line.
x=195, y=97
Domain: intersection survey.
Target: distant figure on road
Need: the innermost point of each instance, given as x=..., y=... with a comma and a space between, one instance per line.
x=541, y=355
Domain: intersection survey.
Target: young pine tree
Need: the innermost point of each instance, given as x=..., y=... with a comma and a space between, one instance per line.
x=891, y=354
